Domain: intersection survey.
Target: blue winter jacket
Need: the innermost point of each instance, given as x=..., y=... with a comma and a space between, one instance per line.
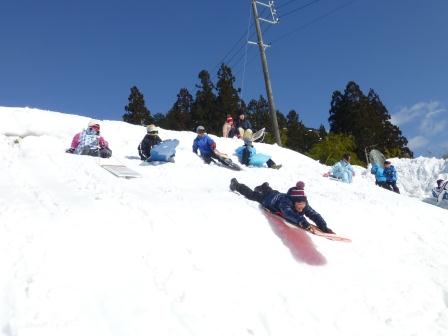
x=248, y=156
x=390, y=173
x=379, y=173
x=278, y=202
x=205, y=144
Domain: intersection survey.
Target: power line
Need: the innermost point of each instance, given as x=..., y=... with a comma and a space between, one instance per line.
x=245, y=54
x=234, y=54
x=298, y=8
x=317, y=19
x=285, y=4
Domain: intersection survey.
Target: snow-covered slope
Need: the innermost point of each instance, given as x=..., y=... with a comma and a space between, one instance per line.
x=175, y=253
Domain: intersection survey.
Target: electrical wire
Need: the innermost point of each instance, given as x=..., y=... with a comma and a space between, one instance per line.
x=298, y=8
x=245, y=54
x=317, y=19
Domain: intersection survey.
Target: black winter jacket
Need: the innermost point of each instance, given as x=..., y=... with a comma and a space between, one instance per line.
x=144, y=149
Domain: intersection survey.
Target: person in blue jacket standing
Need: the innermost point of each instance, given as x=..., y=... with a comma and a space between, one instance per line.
x=391, y=176
x=343, y=170
x=380, y=178
x=292, y=206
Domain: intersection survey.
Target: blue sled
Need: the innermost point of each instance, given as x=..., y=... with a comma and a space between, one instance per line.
x=164, y=151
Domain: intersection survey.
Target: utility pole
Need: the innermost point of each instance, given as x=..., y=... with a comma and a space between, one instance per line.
x=262, y=47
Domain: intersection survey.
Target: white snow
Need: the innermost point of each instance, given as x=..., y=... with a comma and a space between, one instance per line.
x=176, y=253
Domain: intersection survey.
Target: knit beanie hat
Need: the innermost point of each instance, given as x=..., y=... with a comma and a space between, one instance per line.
x=297, y=193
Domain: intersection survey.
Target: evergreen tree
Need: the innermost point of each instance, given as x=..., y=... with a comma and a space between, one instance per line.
x=228, y=100
x=136, y=111
x=322, y=132
x=178, y=118
x=160, y=120
x=367, y=120
x=204, y=111
x=295, y=131
x=258, y=114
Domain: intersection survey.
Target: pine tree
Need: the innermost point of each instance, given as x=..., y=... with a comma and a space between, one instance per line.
x=295, y=131
x=136, y=111
x=228, y=100
x=178, y=118
x=367, y=120
x=258, y=114
x=204, y=111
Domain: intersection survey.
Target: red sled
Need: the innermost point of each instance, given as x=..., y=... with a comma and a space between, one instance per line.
x=314, y=229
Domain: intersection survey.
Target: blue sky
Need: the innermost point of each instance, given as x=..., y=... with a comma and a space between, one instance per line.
x=83, y=56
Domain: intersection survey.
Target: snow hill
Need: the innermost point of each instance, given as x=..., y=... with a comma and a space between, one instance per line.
x=176, y=253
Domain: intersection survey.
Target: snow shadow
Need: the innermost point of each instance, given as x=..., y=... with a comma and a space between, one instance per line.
x=297, y=241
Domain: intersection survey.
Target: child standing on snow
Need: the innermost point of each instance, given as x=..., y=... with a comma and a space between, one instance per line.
x=292, y=206
x=391, y=176
x=380, y=179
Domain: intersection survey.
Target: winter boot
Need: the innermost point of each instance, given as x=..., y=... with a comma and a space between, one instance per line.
x=233, y=184
x=260, y=188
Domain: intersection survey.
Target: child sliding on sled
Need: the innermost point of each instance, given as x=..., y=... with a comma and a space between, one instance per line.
x=292, y=206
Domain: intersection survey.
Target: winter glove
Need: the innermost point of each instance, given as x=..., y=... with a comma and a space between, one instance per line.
x=328, y=230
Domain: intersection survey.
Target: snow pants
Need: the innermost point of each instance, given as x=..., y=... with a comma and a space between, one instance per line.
x=257, y=195
x=102, y=152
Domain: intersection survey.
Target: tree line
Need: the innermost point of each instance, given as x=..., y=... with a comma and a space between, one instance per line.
x=358, y=122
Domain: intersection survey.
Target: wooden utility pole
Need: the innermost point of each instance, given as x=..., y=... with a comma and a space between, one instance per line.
x=264, y=63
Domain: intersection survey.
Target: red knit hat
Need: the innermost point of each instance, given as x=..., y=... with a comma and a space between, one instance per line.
x=297, y=193
x=229, y=119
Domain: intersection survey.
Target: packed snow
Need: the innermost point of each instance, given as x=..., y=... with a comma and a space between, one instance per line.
x=174, y=252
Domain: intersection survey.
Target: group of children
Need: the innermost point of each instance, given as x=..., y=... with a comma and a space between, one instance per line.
x=90, y=142
x=293, y=205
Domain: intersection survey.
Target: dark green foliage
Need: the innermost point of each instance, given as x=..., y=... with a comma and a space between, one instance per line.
x=295, y=131
x=160, y=120
x=136, y=111
x=299, y=137
x=331, y=149
x=204, y=109
x=178, y=118
x=228, y=100
x=367, y=120
x=258, y=114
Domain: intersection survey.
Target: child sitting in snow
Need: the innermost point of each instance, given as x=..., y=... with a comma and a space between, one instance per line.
x=343, y=170
x=89, y=142
x=150, y=140
x=441, y=191
x=248, y=155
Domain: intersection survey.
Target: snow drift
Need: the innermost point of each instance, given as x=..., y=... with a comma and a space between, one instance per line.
x=176, y=253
